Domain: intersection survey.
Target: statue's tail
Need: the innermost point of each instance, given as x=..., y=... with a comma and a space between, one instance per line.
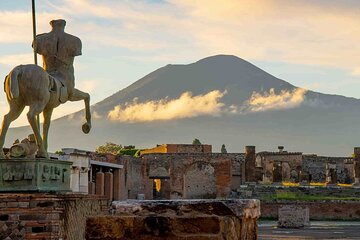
x=11, y=85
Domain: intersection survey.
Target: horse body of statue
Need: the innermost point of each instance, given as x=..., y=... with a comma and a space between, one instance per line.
x=43, y=89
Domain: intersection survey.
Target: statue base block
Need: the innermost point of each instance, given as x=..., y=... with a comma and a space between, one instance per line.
x=34, y=175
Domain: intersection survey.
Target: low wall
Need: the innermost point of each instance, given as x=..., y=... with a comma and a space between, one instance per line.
x=177, y=219
x=318, y=210
x=264, y=191
x=47, y=216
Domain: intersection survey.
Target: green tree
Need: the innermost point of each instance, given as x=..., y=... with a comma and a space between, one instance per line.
x=109, y=147
x=59, y=152
x=196, y=142
x=223, y=149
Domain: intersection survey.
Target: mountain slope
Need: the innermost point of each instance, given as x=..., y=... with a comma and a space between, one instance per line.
x=325, y=124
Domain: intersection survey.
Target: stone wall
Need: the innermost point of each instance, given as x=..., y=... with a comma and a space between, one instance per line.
x=280, y=166
x=318, y=210
x=190, y=175
x=178, y=148
x=177, y=220
x=47, y=216
x=263, y=192
x=328, y=169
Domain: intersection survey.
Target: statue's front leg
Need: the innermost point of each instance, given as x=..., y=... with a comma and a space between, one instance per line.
x=77, y=96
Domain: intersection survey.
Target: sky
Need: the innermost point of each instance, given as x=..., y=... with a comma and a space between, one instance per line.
x=311, y=44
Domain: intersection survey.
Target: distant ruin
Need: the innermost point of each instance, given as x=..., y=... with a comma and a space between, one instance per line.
x=186, y=171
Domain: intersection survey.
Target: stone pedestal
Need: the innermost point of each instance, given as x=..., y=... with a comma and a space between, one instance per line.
x=178, y=219
x=34, y=175
x=292, y=216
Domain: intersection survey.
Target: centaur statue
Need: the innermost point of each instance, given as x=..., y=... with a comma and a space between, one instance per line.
x=43, y=89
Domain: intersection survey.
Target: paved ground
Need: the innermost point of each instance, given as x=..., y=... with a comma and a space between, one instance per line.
x=317, y=230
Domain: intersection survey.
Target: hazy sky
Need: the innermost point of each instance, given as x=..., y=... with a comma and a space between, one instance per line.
x=312, y=44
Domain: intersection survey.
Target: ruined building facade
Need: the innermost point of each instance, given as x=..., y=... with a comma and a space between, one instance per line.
x=183, y=171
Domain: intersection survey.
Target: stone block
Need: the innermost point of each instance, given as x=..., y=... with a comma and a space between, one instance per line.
x=40, y=175
x=292, y=216
x=179, y=219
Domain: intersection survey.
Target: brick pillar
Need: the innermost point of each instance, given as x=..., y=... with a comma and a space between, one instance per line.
x=250, y=164
x=99, y=184
x=243, y=172
x=91, y=188
x=357, y=165
x=119, y=185
x=109, y=185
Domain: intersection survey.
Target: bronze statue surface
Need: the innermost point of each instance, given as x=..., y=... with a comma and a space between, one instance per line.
x=43, y=89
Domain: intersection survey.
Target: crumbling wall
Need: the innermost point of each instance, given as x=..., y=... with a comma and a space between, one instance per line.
x=281, y=166
x=328, y=169
x=318, y=210
x=187, y=173
x=315, y=167
x=237, y=171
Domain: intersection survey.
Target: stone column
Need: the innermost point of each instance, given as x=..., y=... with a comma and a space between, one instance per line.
x=84, y=180
x=74, y=179
x=99, y=184
x=250, y=164
x=109, y=185
x=357, y=165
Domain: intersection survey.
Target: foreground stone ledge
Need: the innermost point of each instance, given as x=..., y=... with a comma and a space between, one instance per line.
x=178, y=219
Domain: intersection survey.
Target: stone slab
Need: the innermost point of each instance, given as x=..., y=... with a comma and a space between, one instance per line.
x=34, y=175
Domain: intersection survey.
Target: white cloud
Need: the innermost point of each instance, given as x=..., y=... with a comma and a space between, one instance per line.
x=186, y=29
x=260, y=102
x=87, y=85
x=356, y=72
x=186, y=106
x=14, y=59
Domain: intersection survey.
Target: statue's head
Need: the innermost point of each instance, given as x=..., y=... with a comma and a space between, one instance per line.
x=58, y=24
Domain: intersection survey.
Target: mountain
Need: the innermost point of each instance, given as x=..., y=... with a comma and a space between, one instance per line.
x=319, y=123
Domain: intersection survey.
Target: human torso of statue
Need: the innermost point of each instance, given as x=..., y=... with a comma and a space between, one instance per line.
x=58, y=50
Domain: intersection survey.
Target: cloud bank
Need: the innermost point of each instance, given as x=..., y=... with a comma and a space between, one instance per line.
x=261, y=102
x=186, y=106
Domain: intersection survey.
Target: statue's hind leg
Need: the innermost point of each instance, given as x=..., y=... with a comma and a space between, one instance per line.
x=34, y=110
x=14, y=112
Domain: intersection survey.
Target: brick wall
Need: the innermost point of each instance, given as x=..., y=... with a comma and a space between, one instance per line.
x=263, y=191
x=47, y=216
x=318, y=210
